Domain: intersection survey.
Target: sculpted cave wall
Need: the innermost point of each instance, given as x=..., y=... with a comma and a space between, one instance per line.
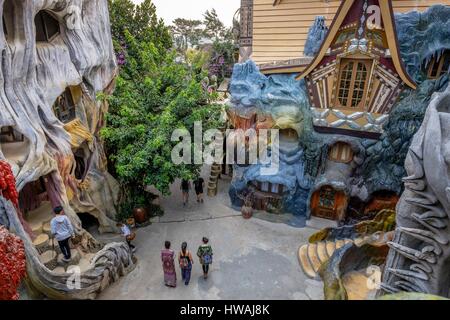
x=57, y=61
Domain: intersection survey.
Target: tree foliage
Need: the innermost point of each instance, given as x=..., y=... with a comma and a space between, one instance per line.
x=187, y=33
x=154, y=95
x=219, y=43
x=214, y=28
x=12, y=264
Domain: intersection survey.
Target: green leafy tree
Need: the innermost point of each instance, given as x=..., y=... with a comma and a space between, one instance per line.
x=187, y=33
x=214, y=28
x=154, y=95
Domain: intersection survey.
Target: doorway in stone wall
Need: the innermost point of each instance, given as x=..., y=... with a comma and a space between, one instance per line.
x=328, y=203
x=88, y=222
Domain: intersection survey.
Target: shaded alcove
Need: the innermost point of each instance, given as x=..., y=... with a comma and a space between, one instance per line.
x=88, y=222
x=8, y=17
x=266, y=196
x=14, y=145
x=36, y=202
x=64, y=106
x=381, y=199
x=288, y=135
x=47, y=27
x=80, y=166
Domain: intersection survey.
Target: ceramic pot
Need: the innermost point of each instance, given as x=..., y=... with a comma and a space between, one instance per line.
x=140, y=215
x=247, y=212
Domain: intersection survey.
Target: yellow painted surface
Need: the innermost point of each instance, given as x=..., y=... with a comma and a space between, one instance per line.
x=279, y=32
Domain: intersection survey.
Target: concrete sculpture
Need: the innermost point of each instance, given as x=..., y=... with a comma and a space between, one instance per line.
x=57, y=63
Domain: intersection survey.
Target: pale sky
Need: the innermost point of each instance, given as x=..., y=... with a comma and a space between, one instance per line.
x=169, y=10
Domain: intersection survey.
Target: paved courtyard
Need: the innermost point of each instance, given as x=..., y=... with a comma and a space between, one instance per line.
x=253, y=259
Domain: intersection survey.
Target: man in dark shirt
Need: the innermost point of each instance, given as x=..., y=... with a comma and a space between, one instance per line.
x=199, y=184
x=185, y=187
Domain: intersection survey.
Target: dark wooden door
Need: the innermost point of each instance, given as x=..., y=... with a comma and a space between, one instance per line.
x=326, y=202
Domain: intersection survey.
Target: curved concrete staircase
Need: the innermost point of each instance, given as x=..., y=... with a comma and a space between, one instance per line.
x=216, y=168
x=312, y=255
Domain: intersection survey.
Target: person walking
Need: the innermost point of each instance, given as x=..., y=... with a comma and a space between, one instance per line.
x=199, y=184
x=205, y=254
x=185, y=187
x=62, y=230
x=186, y=262
x=168, y=257
x=128, y=235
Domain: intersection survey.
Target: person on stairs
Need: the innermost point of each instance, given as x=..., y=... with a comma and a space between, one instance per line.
x=127, y=234
x=205, y=254
x=62, y=231
x=186, y=262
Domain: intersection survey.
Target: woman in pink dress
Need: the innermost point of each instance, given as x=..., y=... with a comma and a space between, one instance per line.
x=167, y=257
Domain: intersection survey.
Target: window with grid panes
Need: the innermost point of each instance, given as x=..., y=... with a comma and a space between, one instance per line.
x=352, y=83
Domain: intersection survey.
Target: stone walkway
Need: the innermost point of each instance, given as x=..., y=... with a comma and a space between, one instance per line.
x=253, y=259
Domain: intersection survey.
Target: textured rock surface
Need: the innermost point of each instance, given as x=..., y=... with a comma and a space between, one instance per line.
x=33, y=74
x=108, y=264
x=420, y=252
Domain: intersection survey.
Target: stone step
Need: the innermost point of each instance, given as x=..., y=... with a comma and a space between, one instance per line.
x=59, y=270
x=36, y=227
x=75, y=259
x=48, y=258
x=312, y=255
x=331, y=247
x=84, y=265
x=216, y=171
x=41, y=242
x=322, y=251
x=47, y=229
x=212, y=185
x=304, y=261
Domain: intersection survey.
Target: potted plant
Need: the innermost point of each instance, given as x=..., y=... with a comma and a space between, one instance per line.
x=140, y=205
x=247, y=208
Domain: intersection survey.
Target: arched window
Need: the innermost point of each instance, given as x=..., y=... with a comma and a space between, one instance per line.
x=47, y=27
x=340, y=152
x=352, y=83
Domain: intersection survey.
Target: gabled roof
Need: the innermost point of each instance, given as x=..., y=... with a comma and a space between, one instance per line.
x=391, y=35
